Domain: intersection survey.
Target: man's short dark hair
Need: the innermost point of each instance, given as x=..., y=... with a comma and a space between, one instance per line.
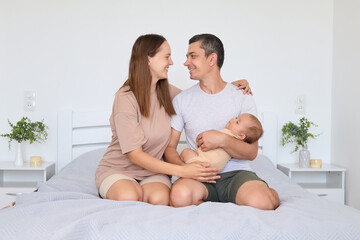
x=211, y=44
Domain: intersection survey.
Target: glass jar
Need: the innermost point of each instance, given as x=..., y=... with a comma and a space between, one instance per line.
x=304, y=158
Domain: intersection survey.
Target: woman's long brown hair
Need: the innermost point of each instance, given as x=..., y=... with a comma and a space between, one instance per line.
x=139, y=79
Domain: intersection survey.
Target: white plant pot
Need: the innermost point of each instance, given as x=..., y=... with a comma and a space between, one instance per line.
x=304, y=158
x=19, y=156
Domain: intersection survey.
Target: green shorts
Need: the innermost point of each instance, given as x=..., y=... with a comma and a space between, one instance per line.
x=225, y=188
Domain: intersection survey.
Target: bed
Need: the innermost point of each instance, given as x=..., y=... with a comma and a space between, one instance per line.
x=68, y=205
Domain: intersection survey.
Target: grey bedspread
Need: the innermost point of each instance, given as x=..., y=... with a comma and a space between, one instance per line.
x=68, y=207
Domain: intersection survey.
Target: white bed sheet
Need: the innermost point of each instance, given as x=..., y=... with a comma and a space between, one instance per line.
x=68, y=207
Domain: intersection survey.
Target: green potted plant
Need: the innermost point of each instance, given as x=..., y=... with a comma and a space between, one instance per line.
x=25, y=130
x=299, y=134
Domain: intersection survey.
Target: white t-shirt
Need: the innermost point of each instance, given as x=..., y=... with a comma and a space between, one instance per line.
x=198, y=111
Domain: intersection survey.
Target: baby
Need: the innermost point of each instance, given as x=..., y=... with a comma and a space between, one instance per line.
x=245, y=127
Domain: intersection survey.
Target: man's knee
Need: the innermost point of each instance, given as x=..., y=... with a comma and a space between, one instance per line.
x=187, y=192
x=274, y=198
x=264, y=203
x=180, y=196
x=263, y=198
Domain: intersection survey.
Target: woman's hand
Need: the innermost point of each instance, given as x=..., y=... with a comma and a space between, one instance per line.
x=200, y=171
x=243, y=84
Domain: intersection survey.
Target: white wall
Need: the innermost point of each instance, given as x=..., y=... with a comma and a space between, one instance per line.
x=345, y=96
x=74, y=54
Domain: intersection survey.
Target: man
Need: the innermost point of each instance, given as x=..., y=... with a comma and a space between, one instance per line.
x=206, y=106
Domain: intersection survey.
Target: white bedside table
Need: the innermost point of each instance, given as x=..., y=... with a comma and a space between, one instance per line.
x=327, y=182
x=15, y=180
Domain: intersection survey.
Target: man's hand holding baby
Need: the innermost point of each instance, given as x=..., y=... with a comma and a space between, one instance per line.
x=210, y=140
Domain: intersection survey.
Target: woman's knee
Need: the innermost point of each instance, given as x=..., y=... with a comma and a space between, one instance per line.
x=159, y=198
x=125, y=196
x=125, y=190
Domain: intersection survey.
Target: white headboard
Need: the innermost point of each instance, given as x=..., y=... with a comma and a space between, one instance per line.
x=80, y=132
x=268, y=143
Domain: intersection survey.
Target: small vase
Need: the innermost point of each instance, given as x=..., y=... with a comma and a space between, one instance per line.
x=304, y=158
x=19, y=157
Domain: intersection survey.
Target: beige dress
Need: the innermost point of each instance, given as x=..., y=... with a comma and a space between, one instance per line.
x=217, y=157
x=131, y=130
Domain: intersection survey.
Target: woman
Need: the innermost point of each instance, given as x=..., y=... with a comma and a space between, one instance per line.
x=131, y=168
